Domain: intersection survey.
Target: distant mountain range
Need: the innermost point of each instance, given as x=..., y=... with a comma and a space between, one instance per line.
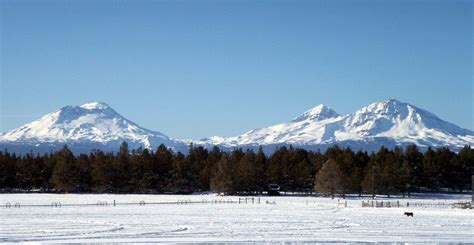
x=388, y=123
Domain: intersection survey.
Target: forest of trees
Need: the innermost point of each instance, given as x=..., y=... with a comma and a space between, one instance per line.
x=336, y=171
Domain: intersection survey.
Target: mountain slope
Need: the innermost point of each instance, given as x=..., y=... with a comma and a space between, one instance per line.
x=83, y=128
x=389, y=123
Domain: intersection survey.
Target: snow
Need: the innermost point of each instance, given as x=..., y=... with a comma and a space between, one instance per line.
x=290, y=219
x=389, y=123
x=95, y=105
x=94, y=122
x=376, y=124
x=317, y=113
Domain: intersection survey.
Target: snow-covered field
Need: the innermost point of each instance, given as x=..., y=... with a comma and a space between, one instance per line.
x=297, y=219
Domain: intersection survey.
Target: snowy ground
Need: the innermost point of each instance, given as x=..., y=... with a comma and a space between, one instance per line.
x=294, y=219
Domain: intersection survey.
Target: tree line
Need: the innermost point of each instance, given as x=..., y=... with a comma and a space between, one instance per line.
x=335, y=171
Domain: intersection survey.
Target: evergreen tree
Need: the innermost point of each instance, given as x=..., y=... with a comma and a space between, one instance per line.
x=388, y=167
x=182, y=175
x=303, y=179
x=349, y=169
x=329, y=179
x=162, y=168
x=120, y=171
x=84, y=171
x=464, y=169
x=260, y=166
x=102, y=171
x=199, y=174
x=317, y=159
x=415, y=160
x=66, y=174
x=27, y=170
x=431, y=174
x=245, y=178
x=443, y=159
x=406, y=177
x=373, y=181
x=143, y=171
x=361, y=160
x=274, y=170
x=7, y=170
x=142, y=176
x=222, y=182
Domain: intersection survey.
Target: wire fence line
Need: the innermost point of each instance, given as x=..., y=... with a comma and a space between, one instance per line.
x=102, y=203
x=398, y=204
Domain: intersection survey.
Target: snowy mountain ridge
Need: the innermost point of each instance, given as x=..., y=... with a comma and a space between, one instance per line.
x=389, y=123
x=93, y=123
x=317, y=113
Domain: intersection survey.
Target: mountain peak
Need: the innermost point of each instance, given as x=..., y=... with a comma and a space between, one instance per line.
x=392, y=100
x=389, y=123
x=386, y=123
x=386, y=107
x=317, y=113
x=95, y=105
x=88, y=126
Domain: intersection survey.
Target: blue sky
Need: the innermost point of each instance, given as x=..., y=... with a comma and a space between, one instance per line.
x=193, y=69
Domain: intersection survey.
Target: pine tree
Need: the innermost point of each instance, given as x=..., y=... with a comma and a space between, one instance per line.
x=465, y=168
x=162, y=168
x=303, y=176
x=405, y=177
x=120, y=175
x=7, y=170
x=373, y=181
x=275, y=164
x=102, y=171
x=260, y=166
x=198, y=174
x=141, y=179
x=143, y=171
x=182, y=175
x=84, y=171
x=27, y=169
x=245, y=178
x=349, y=169
x=431, y=172
x=66, y=174
x=388, y=174
x=222, y=182
x=415, y=160
x=329, y=179
x=361, y=160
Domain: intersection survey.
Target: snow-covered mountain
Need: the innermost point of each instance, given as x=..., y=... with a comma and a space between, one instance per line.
x=389, y=123
x=83, y=128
